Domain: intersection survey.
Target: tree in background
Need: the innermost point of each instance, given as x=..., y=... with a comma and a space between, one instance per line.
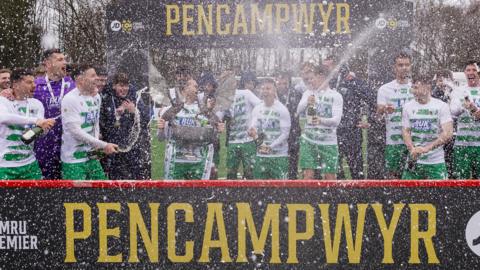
x=80, y=28
x=20, y=34
x=446, y=36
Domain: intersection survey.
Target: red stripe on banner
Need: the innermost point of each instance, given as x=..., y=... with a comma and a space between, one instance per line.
x=240, y=184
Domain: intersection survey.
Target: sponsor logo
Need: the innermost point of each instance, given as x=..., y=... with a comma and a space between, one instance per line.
x=472, y=233
x=138, y=26
x=126, y=26
x=381, y=23
x=186, y=121
x=423, y=125
x=392, y=23
x=14, y=236
x=115, y=26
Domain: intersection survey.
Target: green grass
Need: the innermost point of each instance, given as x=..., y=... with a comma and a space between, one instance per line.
x=158, y=155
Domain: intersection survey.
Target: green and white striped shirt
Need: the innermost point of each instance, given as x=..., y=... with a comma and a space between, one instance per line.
x=17, y=116
x=468, y=129
x=425, y=122
x=397, y=95
x=80, y=120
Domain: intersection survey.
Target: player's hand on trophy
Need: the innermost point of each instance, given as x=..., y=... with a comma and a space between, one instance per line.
x=211, y=103
x=467, y=104
x=363, y=124
x=470, y=106
x=161, y=123
x=220, y=127
x=476, y=115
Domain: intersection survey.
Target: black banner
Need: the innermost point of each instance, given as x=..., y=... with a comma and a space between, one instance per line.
x=254, y=23
x=261, y=24
x=240, y=225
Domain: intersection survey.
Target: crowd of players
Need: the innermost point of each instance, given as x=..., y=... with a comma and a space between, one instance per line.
x=275, y=129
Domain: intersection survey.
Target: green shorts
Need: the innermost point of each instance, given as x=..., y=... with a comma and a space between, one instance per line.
x=88, y=170
x=241, y=153
x=426, y=171
x=271, y=168
x=188, y=171
x=395, y=158
x=316, y=156
x=466, y=162
x=27, y=172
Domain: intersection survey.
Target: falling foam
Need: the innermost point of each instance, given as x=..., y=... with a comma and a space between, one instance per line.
x=135, y=132
x=49, y=41
x=353, y=47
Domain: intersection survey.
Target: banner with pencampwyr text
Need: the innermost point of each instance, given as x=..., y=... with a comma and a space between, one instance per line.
x=261, y=24
x=240, y=225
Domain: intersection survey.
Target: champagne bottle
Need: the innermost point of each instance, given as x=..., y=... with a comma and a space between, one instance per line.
x=172, y=96
x=96, y=154
x=311, y=113
x=31, y=134
x=473, y=109
x=204, y=123
x=117, y=120
x=411, y=164
x=260, y=138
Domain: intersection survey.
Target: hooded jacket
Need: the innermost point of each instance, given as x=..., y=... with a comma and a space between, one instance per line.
x=134, y=164
x=110, y=102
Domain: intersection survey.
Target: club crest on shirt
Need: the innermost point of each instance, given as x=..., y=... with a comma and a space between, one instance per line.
x=54, y=102
x=90, y=117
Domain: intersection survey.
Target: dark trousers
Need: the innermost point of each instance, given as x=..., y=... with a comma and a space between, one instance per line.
x=50, y=163
x=448, y=148
x=376, y=150
x=128, y=166
x=293, y=151
x=133, y=165
x=350, y=149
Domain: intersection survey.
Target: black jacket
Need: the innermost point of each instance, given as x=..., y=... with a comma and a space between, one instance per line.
x=356, y=94
x=110, y=102
x=134, y=164
x=291, y=102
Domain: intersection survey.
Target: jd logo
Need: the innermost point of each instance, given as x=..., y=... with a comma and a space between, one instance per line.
x=472, y=233
x=116, y=26
x=381, y=23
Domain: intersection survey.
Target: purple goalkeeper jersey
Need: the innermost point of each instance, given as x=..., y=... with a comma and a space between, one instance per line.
x=47, y=148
